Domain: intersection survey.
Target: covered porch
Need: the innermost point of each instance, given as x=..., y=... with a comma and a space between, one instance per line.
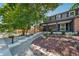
x=66, y=26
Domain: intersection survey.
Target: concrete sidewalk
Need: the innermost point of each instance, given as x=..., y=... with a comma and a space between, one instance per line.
x=20, y=48
x=4, y=50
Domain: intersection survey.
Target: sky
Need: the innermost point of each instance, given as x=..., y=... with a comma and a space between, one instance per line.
x=1, y=4
x=62, y=8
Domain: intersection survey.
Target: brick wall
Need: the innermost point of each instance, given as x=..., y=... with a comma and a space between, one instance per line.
x=76, y=24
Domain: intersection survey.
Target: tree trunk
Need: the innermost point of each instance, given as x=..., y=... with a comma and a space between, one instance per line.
x=34, y=29
x=23, y=32
x=26, y=32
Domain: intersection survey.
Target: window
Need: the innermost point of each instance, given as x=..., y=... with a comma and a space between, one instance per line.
x=49, y=19
x=58, y=17
x=54, y=28
x=58, y=27
x=64, y=15
x=71, y=13
x=62, y=27
x=77, y=12
x=67, y=26
x=53, y=18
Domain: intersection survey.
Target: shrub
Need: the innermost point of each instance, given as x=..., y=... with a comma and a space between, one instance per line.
x=57, y=33
x=70, y=33
x=77, y=46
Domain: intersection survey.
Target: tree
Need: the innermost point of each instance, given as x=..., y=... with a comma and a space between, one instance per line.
x=23, y=16
x=74, y=6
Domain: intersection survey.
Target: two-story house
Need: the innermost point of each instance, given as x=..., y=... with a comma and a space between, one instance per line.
x=67, y=21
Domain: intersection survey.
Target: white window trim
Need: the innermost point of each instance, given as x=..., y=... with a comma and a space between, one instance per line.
x=70, y=13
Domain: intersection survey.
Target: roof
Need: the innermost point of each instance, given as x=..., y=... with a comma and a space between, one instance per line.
x=60, y=9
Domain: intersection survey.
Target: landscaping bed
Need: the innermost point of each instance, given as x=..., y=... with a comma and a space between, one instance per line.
x=56, y=46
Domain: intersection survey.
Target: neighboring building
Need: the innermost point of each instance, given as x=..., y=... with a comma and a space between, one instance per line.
x=67, y=21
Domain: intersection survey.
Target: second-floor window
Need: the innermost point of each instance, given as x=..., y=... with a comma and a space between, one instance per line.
x=71, y=13
x=77, y=12
x=49, y=19
x=64, y=15
x=53, y=18
x=58, y=17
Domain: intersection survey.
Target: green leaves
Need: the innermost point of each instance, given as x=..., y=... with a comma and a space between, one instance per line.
x=23, y=16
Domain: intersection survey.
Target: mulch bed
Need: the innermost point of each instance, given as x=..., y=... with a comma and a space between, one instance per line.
x=60, y=45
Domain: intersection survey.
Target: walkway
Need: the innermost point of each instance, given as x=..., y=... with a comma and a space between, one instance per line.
x=20, y=47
